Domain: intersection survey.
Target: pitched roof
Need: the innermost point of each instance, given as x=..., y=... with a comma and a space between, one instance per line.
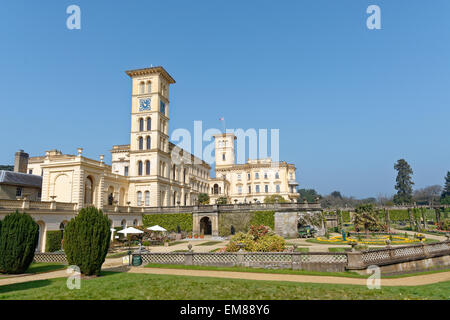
x=20, y=179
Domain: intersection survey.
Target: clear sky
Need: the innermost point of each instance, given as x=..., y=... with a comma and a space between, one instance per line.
x=348, y=101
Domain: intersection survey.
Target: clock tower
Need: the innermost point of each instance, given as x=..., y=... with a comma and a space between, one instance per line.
x=149, y=144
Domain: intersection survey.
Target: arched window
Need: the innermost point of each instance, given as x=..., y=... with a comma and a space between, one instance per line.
x=147, y=167
x=135, y=222
x=147, y=198
x=149, y=124
x=216, y=189
x=139, y=198
x=141, y=87
x=123, y=224
x=149, y=143
x=139, y=168
x=141, y=143
x=149, y=86
x=141, y=124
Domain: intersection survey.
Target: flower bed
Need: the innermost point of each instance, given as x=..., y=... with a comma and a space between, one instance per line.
x=376, y=240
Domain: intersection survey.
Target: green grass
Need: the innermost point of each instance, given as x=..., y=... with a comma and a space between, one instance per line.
x=338, y=249
x=346, y=274
x=154, y=287
x=117, y=255
x=209, y=243
x=302, y=250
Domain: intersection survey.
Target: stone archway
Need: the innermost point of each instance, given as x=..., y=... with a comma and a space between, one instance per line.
x=205, y=226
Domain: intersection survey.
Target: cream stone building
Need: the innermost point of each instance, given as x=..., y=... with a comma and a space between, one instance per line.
x=144, y=173
x=252, y=181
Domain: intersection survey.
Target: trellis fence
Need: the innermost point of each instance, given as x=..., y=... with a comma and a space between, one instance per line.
x=313, y=261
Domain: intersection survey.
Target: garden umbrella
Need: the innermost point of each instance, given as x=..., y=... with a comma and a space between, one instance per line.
x=130, y=230
x=156, y=228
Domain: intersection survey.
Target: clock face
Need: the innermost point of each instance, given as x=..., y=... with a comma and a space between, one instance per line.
x=144, y=104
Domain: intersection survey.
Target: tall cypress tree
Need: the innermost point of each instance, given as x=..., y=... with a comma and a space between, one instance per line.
x=404, y=182
x=86, y=240
x=19, y=235
x=446, y=190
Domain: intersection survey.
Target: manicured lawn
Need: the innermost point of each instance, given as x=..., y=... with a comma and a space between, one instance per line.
x=153, y=287
x=347, y=274
x=302, y=250
x=338, y=249
x=117, y=255
x=209, y=243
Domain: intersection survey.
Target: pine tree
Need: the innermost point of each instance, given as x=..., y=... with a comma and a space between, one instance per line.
x=446, y=190
x=86, y=240
x=19, y=235
x=404, y=182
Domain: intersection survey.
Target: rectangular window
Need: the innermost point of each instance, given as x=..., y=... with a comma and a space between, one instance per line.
x=277, y=175
x=30, y=171
x=162, y=108
x=257, y=188
x=277, y=188
x=18, y=192
x=126, y=171
x=239, y=177
x=256, y=175
x=266, y=188
x=265, y=175
x=249, y=189
x=248, y=176
x=239, y=189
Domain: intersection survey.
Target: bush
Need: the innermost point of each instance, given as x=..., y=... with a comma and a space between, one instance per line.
x=53, y=242
x=169, y=221
x=258, y=239
x=18, y=240
x=86, y=240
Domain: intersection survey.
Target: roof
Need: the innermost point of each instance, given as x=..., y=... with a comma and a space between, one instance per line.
x=151, y=70
x=20, y=179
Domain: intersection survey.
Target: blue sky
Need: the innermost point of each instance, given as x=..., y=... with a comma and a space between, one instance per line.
x=348, y=101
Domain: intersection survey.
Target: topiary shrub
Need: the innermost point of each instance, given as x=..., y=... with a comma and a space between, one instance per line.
x=19, y=235
x=53, y=242
x=86, y=240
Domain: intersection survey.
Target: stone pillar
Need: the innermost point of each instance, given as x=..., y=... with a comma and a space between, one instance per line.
x=354, y=261
x=101, y=186
x=195, y=223
x=215, y=225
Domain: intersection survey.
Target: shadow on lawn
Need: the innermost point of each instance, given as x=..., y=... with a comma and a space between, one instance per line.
x=24, y=286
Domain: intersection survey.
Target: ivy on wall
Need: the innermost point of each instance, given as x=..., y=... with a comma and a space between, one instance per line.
x=53, y=242
x=266, y=218
x=241, y=221
x=169, y=221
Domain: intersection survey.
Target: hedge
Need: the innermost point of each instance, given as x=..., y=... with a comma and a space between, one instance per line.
x=169, y=221
x=53, y=242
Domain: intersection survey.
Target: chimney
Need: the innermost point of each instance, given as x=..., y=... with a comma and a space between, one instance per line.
x=21, y=161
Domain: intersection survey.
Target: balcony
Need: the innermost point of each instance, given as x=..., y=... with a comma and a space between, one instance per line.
x=293, y=183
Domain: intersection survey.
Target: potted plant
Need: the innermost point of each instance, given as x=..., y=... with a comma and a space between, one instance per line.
x=195, y=236
x=202, y=235
x=190, y=235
